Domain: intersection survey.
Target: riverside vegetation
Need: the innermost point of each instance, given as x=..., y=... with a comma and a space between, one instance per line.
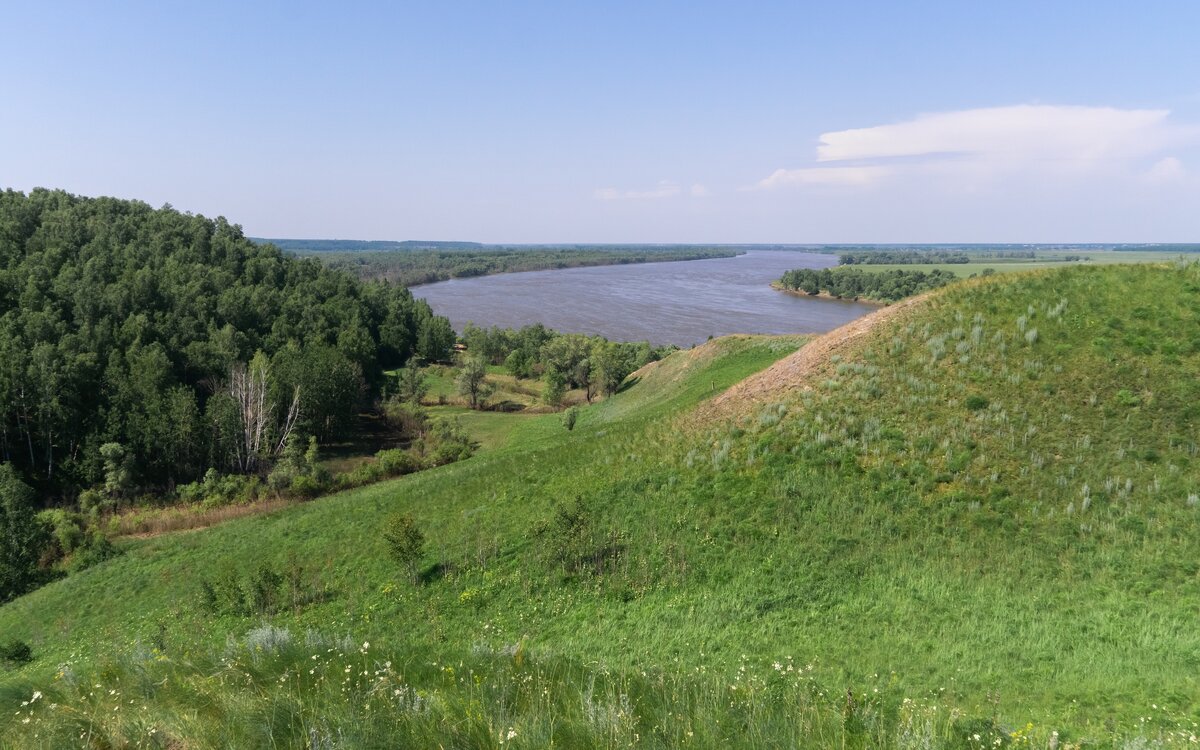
x=976, y=526
x=851, y=282
x=159, y=370
x=413, y=263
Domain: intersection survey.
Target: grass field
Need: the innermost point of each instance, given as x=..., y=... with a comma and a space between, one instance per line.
x=1044, y=260
x=978, y=526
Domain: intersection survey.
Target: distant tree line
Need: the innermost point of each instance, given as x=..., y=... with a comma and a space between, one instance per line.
x=413, y=267
x=142, y=347
x=902, y=257
x=855, y=283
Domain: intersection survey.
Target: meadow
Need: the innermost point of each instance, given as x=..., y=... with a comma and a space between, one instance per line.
x=977, y=526
x=979, y=263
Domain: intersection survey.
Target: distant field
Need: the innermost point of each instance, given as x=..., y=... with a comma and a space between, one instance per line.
x=1049, y=260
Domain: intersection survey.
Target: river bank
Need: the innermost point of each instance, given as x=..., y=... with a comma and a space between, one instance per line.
x=827, y=296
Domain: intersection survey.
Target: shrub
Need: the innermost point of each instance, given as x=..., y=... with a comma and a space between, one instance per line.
x=66, y=528
x=14, y=653
x=569, y=417
x=96, y=548
x=406, y=417
x=25, y=537
x=975, y=403
x=405, y=542
x=444, y=443
x=263, y=590
x=556, y=388
x=396, y=462
x=305, y=487
x=571, y=540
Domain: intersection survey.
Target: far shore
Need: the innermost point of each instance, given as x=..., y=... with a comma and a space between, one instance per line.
x=826, y=295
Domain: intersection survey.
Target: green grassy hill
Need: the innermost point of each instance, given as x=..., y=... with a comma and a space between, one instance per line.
x=980, y=516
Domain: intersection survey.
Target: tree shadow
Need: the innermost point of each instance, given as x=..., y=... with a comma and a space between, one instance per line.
x=434, y=573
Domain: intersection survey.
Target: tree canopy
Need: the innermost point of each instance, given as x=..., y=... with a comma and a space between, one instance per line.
x=121, y=323
x=853, y=283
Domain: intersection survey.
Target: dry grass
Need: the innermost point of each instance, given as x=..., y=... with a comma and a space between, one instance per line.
x=145, y=523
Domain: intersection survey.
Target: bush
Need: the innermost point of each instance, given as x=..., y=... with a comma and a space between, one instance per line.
x=388, y=463
x=975, y=403
x=571, y=540
x=66, y=528
x=406, y=417
x=405, y=542
x=556, y=388
x=396, y=462
x=305, y=487
x=569, y=417
x=14, y=653
x=444, y=443
x=96, y=548
x=262, y=590
x=25, y=537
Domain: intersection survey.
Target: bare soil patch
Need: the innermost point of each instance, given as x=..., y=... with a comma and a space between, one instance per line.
x=797, y=371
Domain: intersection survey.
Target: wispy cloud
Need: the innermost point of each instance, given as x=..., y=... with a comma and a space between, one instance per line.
x=664, y=189
x=993, y=141
x=1165, y=171
x=699, y=191
x=832, y=176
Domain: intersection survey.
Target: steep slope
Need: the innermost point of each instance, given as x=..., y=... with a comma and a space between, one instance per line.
x=984, y=506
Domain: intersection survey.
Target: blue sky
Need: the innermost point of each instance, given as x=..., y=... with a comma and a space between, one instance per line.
x=620, y=121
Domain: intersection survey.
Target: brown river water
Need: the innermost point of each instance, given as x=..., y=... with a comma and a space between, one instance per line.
x=680, y=303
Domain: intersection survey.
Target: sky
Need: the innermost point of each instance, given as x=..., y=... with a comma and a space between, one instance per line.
x=621, y=122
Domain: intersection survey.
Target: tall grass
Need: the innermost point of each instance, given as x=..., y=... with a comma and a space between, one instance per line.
x=270, y=688
x=910, y=521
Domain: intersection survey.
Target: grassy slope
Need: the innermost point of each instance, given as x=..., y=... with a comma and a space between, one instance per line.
x=1030, y=553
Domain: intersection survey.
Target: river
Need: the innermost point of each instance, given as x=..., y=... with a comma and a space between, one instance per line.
x=680, y=303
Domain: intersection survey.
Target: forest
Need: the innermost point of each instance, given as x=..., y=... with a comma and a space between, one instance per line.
x=426, y=266
x=152, y=345
x=855, y=283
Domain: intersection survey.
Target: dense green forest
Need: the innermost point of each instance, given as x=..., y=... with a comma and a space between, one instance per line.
x=855, y=283
x=411, y=268
x=177, y=343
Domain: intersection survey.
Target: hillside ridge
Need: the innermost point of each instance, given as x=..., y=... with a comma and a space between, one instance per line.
x=797, y=370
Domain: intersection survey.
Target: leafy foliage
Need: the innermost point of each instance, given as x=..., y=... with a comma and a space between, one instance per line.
x=405, y=542
x=15, y=652
x=854, y=283
x=119, y=324
x=23, y=536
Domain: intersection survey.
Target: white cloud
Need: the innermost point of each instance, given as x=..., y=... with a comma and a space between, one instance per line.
x=1024, y=132
x=832, y=176
x=1164, y=171
x=975, y=145
x=699, y=191
x=664, y=189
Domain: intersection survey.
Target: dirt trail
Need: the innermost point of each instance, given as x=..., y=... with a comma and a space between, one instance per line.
x=796, y=372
